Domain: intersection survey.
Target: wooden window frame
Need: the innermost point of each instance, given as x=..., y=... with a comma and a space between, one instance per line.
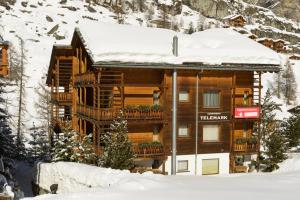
x=187, y=164
x=188, y=130
x=189, y=96
x=219, y=134
x=211, y=91
x=218, y=166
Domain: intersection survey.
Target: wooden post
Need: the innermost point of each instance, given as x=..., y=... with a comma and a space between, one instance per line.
x=259, y=122
x=122, y=90
x=232, y=120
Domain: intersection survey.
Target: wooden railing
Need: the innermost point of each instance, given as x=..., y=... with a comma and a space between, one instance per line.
x=85, y=78
x=246, y=147
x=109, y=114
x=148, y=151
x=3, y=70
x=62, y=121
x=62, y=96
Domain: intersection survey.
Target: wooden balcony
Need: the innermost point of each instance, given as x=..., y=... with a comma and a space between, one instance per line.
x=245, y=147
x=109, y=114
x=3, y=71
x=62, y=97
x=86, y=78
x=148, y=152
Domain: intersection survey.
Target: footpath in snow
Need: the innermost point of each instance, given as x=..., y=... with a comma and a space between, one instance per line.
x=114, y=184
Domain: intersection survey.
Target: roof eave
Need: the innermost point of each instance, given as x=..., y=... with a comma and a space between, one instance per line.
x=192, y=66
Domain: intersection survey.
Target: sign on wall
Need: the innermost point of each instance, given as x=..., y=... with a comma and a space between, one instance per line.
x=214, y=116
x=248, y=112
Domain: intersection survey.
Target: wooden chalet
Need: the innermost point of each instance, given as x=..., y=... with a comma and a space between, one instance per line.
x=217, y=105
x=3, y=57
x=235, y=21
x=268, y=42
x=294, y=57
x=279, y=45
x=252, y=36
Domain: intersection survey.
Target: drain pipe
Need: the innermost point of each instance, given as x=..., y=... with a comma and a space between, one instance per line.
x=174, y=109
x=197, y=121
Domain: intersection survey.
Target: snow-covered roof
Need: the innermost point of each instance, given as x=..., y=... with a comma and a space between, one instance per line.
x=123, y=43
x=264, y=38
x=233, y=16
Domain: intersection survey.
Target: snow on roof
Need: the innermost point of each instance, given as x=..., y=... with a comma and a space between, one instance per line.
x=264, y=38
x=233, y=16
x=123, y=43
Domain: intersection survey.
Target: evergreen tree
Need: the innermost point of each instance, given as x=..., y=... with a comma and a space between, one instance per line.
x=268, y=114
x=64, y=146
x=289, y=85
x=275, y=150
x=85, y=151
x=7, y=140
x=191, y=28
x=292, y=130
x=39, y=149
x=69, y=147
x=272, y=140
x=117, y=152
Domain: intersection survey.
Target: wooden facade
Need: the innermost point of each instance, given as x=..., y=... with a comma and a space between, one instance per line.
x=3, y=59
x=235, y=21
x=276, y=45
x=295, y=57
x=91, y=96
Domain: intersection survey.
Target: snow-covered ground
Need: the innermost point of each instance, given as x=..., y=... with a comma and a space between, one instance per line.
x=113, y=184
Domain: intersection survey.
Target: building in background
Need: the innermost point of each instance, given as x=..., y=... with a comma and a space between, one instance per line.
x=3, y=57
x=118, y=67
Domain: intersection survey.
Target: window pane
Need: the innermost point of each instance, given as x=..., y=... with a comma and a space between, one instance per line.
x=210, y=133
x=182, y=165
x=211, y=99
x=183, y=96
x=183, y=130
x=210, y=166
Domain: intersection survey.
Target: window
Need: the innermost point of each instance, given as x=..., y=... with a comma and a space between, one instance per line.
x=211, y=133
x=211, y=99
x=0, y=56
x=183, y=130
x=184, y=96
x=246, y=98
x=183, y=165
x=210, y=166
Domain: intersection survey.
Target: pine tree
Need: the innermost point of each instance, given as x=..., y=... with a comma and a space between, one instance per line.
x=191, y=28
x=268, y=114
x=86, y=152
x=292, y=130
x=39, y=145
x=69, y=147
x=275, y=150
x=7, y=140
x=272, y=139
x=289, y=84
x=117, y=152
x=64, y=146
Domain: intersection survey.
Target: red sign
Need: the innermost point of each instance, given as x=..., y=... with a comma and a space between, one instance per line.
x=247, y=112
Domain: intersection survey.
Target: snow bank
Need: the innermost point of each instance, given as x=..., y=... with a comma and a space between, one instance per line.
x=76, y=177
x=116, y=185
x=291, y=164
x=123, y=43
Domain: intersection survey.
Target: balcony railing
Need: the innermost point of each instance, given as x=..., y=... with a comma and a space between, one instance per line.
x=85, y=78
x=148, y=151
x=109, y=114
x=62, y=97
x=245, y=147
x=3, y=71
